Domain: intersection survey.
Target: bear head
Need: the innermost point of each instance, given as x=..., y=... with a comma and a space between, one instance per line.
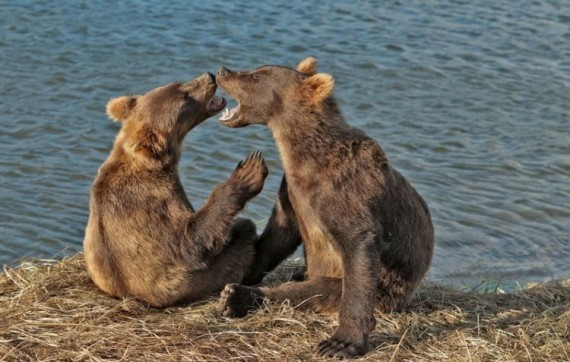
x=155, y=123
x=270, y=92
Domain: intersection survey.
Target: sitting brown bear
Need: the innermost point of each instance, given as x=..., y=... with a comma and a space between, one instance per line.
x=143, y=238
x=367, y=234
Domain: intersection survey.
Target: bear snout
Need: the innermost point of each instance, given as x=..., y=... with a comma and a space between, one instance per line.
x=223, y=71
x=212, y=77
x=207, y=78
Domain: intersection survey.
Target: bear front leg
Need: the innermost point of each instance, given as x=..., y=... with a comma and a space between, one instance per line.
x=279, y=239
x=209, y=227
x=359, y=290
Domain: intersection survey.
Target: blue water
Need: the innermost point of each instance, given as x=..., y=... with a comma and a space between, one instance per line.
x=470, y=100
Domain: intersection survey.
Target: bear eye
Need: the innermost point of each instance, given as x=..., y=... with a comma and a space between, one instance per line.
x=187, y=96
x=257, y=76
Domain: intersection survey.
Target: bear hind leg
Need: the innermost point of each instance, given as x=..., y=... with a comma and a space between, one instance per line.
x=229, y=266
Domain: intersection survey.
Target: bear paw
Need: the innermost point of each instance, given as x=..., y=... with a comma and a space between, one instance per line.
x=250, y=174
x=236, y=300
x=341, y=348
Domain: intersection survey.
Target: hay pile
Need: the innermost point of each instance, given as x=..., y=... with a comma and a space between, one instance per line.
x=52, y=311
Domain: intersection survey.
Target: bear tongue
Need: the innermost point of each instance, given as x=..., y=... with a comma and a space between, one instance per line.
x=216, y=104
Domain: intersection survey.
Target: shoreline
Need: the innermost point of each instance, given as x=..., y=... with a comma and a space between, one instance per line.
x=50, y=310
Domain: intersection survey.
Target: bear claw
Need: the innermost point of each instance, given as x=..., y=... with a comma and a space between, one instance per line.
x=250, y=174
x=333, y=347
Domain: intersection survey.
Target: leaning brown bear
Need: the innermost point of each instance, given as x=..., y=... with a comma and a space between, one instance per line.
x=367, y=233
x=143, y=238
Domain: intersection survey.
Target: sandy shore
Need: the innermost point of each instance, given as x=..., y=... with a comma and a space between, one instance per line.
x=51, y=311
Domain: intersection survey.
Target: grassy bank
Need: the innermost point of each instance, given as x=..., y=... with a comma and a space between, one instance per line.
x=52, y=311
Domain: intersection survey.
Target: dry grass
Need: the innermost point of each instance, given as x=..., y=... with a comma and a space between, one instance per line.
x=52, y=311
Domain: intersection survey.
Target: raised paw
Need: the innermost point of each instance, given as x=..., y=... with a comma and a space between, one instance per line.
x=250, y=174
x=236, y=300
x=339, y=348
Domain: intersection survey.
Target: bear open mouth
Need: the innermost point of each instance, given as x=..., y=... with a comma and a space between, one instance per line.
x=230, y=114
x=216, y=104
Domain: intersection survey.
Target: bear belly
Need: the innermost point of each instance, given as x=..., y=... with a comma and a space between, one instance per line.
x=323, y=259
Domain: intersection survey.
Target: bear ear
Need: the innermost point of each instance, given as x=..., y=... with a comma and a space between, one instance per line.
x=317, y=88
x=308, y=66
x=118, y=109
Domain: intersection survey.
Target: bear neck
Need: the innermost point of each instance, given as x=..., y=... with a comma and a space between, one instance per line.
x=138, y=161
x=308, y=136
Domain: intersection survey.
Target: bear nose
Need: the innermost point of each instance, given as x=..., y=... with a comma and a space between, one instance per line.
x=205, y=78
x=212, y=77
x=223, y=71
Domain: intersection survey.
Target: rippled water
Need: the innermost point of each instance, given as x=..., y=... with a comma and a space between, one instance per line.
x=471, y=103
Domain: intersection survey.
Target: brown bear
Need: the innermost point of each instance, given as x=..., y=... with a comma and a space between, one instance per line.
x=367, y=233
x=143, y=238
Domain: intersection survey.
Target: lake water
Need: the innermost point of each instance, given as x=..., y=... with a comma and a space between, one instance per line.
x=470, y=100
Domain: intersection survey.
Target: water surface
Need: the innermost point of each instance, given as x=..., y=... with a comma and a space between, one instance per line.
x=470, y=102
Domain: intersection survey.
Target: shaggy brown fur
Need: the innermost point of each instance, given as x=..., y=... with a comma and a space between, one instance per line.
x=367, y=233
x=143, y=237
